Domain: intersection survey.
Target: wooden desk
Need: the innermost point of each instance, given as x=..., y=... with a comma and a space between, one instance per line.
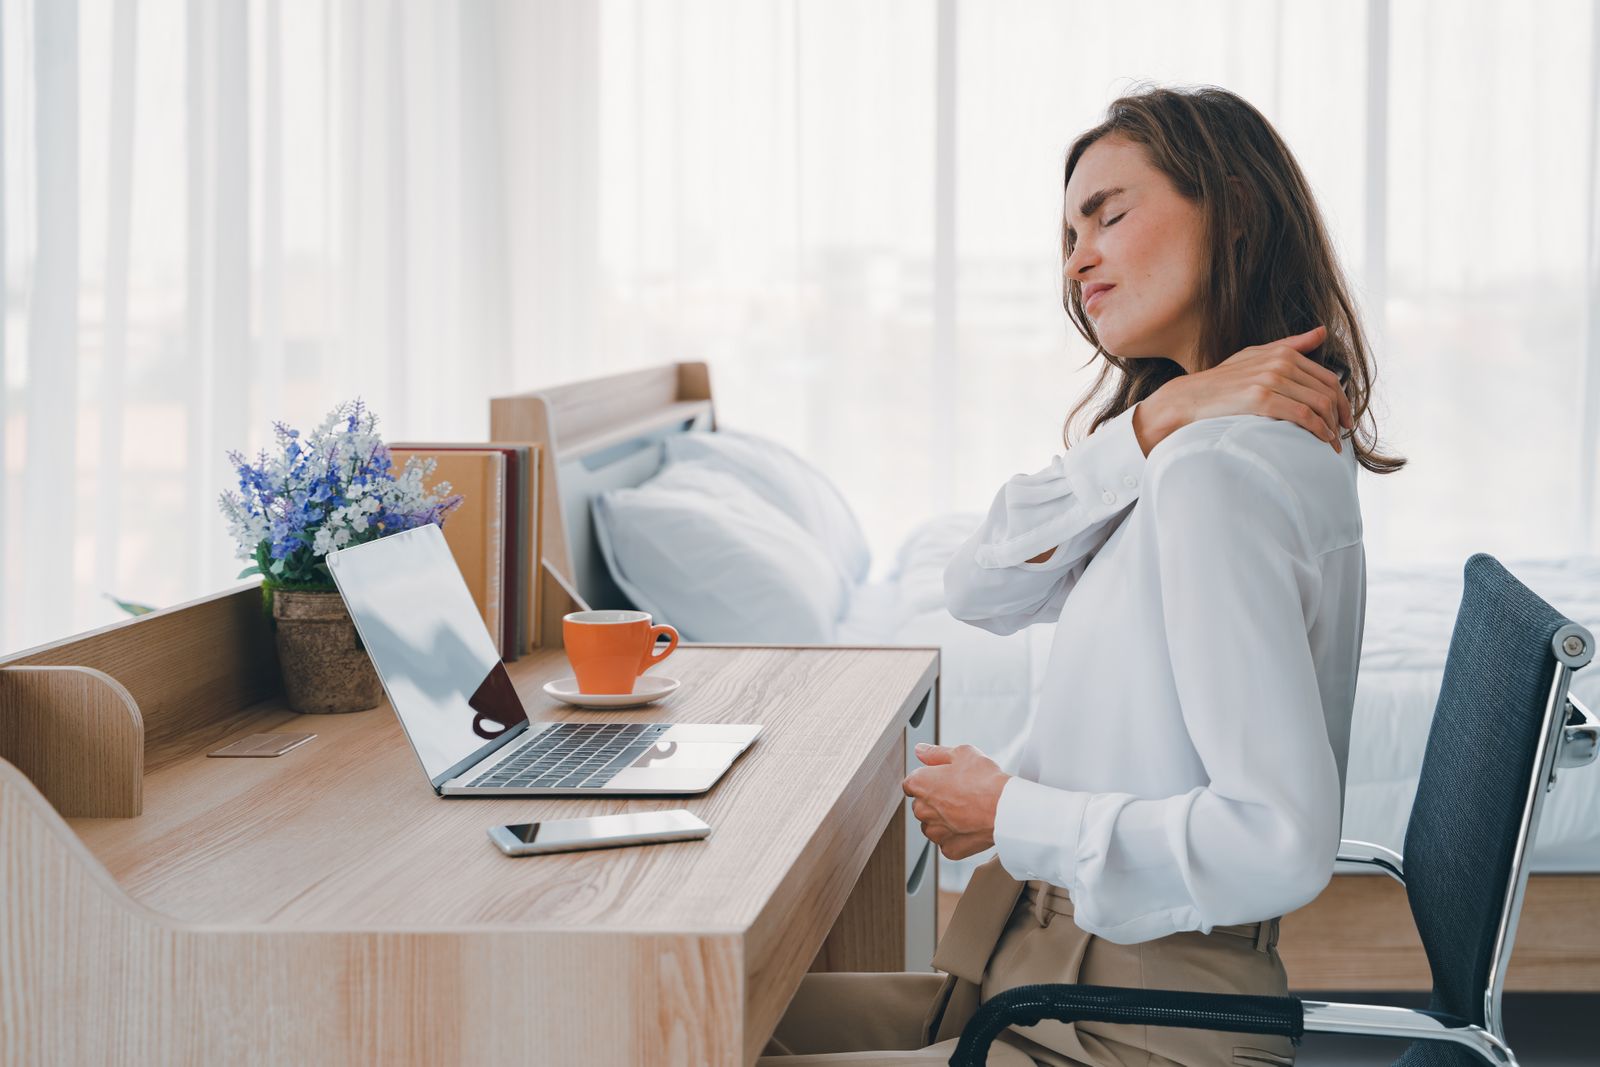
x=326, y=907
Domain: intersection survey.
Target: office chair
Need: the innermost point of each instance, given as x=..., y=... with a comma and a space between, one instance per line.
x=1503, y=726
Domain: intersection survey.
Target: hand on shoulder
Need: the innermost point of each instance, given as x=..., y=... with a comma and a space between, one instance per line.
x=1277, y=380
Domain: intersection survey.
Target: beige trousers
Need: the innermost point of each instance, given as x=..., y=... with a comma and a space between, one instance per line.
x=1007, y=933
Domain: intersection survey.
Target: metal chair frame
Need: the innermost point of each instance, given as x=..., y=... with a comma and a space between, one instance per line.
x=1569, y=737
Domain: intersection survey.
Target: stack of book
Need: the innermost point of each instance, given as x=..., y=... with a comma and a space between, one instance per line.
x=493, y=533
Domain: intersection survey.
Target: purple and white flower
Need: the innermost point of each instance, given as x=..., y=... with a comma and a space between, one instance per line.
x=332, y=488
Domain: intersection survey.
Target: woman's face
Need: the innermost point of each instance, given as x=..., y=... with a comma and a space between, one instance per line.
x=1148, y=242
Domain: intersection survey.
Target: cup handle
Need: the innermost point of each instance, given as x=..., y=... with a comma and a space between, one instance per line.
x=651, y=657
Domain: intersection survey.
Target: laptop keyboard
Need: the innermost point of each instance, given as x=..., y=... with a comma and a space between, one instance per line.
x=573, y=755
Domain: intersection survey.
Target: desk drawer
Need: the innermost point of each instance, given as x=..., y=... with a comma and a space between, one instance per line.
x=922, y=726
x=922, y=907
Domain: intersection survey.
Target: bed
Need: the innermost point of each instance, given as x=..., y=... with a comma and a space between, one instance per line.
x=613, y=433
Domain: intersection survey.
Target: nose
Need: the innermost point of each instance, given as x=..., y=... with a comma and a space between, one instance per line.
x=1082, y=257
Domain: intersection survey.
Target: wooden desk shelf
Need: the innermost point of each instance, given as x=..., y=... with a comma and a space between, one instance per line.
x=84, y=718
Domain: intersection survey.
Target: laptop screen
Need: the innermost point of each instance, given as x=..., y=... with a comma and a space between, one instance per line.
x=428, y=642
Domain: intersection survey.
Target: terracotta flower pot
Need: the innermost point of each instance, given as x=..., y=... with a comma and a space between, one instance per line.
x=325, y=668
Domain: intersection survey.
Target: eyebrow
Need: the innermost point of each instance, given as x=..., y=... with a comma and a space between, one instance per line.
x=1094, y=203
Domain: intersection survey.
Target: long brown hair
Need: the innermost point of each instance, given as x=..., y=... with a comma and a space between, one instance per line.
x=1280, y=277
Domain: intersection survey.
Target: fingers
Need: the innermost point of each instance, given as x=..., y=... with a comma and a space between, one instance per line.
x=960, y=846
x=1347, y=416
x=1332, y=399
x=920, y=782
x=1326, y=416
x=1326, y=383
x=1288, y=361
x=1331, y=381
x=1289, y=403
x=1311, y=419
x=1305, y=342
x=934, y=755
x=953, y=845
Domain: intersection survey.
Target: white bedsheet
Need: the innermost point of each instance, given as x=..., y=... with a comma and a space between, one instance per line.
x=990, y=684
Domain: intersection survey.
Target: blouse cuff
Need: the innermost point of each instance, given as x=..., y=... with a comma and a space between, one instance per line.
x=1101, y=474
x=1114, y=463
x=1036, y=830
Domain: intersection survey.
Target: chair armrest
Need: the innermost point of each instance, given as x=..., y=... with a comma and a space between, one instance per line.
x=1580, y=737
x=1285, y=1016
x=1376, y=1020
x=1030, y=1004
x=1367, y=854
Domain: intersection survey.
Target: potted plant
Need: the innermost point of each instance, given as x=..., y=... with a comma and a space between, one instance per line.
x=331, y=489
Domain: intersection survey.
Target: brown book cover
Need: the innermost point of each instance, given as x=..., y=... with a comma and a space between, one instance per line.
x=530, y=540
x=475, y=531
x=516, y=604
x=526, y=525
x=537, y=514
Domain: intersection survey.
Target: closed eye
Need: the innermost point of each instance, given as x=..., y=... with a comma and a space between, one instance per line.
x=1072, y=235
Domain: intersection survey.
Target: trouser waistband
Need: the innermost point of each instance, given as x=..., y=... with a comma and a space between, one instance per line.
x=1046, y=900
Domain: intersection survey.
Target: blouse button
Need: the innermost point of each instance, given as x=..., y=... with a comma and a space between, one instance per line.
x=1129, y=480
x=1109, y=497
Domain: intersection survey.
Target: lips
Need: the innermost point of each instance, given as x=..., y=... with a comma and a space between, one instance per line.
x=1093, y=290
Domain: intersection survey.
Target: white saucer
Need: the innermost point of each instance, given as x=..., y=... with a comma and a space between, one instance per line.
x=649, y=687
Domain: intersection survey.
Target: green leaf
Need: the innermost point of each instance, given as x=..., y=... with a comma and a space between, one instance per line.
x=129, y=606
x=277, y=567
x=254, y=568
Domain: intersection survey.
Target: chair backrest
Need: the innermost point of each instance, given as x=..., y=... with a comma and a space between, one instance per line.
x=1502, y=699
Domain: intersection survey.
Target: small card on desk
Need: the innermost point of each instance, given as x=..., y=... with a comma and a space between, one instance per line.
x=263, y=745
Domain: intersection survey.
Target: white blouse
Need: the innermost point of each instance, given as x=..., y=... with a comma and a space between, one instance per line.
x=1185, y=768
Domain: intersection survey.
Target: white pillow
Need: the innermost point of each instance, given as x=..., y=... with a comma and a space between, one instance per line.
x=699, y=550
x=788, y=482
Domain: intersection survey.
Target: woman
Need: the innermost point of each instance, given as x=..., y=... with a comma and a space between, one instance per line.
x=1182, y=784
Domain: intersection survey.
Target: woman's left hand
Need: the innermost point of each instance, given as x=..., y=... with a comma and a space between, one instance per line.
x=955, y=797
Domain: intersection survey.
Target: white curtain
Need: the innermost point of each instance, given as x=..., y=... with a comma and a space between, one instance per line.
x=219, y=213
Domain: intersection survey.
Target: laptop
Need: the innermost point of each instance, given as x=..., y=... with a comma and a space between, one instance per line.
x=460, y=711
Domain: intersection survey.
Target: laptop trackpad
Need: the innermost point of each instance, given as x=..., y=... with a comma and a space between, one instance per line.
x=669, y=764
x=681, y=755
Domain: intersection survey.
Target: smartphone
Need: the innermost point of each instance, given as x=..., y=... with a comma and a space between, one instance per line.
x=597, y=831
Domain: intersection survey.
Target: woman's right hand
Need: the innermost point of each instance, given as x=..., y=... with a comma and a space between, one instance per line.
x=1276, y=380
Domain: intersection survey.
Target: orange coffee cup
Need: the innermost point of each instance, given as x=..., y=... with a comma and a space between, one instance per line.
x=608, y=650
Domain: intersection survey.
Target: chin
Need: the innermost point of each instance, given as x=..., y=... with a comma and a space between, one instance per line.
x=1117, y=339
x=1121, y=344
x=1118, y=344
x=1110, y=340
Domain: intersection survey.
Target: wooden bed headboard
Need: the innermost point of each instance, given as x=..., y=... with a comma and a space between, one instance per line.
x=594, y=435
